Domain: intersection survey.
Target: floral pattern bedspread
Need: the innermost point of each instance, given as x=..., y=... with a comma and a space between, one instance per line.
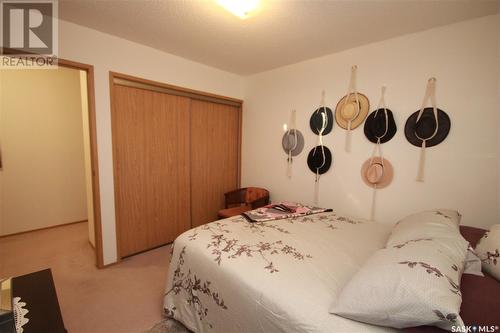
x=278, y=276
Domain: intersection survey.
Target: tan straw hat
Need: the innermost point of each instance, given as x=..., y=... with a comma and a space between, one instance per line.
x=377, y=171
x=347, y=110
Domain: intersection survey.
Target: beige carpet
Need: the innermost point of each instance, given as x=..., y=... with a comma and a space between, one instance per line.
x=119, y=299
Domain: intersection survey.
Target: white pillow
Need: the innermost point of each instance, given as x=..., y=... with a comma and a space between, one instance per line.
x=472, y=263
x=405, y=286
x=442, y=223
x=488, y=249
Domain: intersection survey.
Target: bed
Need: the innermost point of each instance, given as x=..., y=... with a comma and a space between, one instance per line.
x=277, y=276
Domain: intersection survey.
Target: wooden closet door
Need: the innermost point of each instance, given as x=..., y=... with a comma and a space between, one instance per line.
x=151, y=156
x=215, y=144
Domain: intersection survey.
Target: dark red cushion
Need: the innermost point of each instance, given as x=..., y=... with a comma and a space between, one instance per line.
x=471, y=234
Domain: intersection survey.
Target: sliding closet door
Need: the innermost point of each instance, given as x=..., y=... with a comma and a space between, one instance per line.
x=151, y=158
x=215, y=144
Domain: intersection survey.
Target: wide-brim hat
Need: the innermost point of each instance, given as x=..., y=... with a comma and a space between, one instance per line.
x=377, y=171
x=376, y=125
x=426, y=126
x=347, y=111
x=293, y=142
x=319, y=159
x=316, y=120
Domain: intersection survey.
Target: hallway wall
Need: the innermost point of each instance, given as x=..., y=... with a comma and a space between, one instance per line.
x=43, y=178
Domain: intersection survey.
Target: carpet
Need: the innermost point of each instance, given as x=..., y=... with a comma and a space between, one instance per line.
x=168, y=326
x=123, y=298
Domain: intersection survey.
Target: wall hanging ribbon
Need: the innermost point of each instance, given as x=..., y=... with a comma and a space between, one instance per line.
x=319, y=161
x=380, y=126
x=320, y=158
x=292, y=142
x=352, y=109
x=427, y=127
x=321, y=121
x=376, y=172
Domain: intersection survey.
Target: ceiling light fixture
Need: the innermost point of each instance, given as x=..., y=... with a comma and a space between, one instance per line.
x=240, y=8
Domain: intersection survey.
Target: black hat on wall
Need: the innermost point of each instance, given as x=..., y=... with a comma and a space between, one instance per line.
x=316, y=121
x=319, y=159
x=380, y=124
x=425, y=127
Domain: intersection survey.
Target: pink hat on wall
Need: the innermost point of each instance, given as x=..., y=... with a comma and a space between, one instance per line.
x=377, y=172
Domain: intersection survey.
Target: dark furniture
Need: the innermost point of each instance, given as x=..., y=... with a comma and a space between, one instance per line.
x=37, y=290
x=244, y=199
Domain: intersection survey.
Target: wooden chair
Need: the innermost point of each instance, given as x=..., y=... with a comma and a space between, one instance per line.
x=244, y=199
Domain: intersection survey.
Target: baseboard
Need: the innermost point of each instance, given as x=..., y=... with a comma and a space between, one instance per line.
x=111, y=264
x=44, y=228
x=153, y=248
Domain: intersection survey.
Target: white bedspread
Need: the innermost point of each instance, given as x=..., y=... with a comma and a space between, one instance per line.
x=279, y=276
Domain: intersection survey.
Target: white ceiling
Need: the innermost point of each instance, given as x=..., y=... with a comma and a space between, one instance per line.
x=279, y=33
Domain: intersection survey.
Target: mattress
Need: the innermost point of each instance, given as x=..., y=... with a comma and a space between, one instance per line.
x=279, y=276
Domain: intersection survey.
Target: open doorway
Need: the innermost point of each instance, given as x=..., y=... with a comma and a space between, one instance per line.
x=48, y=175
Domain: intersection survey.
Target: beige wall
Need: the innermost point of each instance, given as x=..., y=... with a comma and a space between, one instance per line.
x=109, y=53
x=87, y=156
x=461, y=173
x=43, y=176
x=402, y=63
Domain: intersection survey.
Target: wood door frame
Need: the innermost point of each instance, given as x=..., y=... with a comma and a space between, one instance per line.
x=96, y=197
x=146, y=84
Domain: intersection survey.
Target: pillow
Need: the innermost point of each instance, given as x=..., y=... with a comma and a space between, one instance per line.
x=472, y=263
x=406, y=285
x=472, y=234
x=441, y=223
x=488, y=249
x=480, y=304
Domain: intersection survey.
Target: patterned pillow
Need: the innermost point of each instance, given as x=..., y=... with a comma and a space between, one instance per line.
x=409, y=284
x=488, y=249
x=440, y=223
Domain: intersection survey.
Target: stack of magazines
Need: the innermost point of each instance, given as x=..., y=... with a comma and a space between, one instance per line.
x=281, y=210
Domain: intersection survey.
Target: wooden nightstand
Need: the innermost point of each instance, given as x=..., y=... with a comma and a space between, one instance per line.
x=37, y=290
